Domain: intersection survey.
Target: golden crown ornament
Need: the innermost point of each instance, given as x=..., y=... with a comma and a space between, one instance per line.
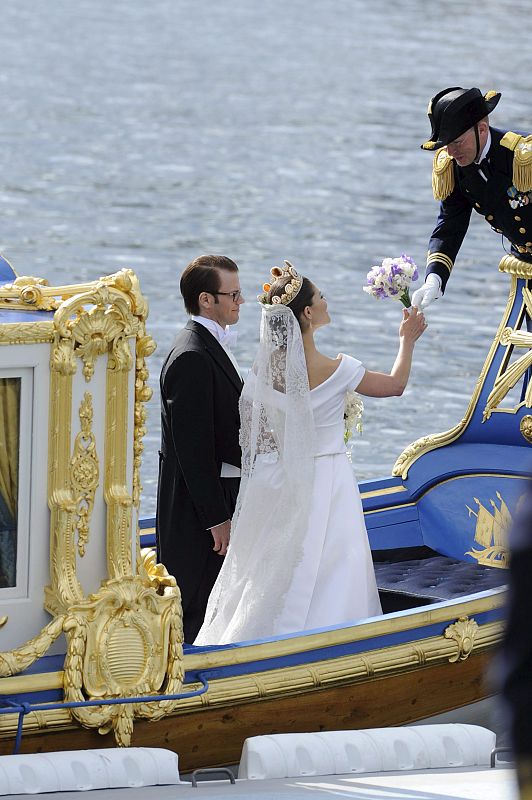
x=291, y=289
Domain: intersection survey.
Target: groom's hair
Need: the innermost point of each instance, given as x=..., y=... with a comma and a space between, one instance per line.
x=203, y=275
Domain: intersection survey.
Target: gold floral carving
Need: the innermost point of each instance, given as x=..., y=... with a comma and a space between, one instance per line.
x=84, y=472
x=124, y=641
x=463, y=632
x=516, y=269
x=525, y=426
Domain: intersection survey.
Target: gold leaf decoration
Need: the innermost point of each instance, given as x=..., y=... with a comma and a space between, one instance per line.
x=463, y=632
x=84, y=471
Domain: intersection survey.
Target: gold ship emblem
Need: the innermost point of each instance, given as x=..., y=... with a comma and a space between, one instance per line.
x=491, y=533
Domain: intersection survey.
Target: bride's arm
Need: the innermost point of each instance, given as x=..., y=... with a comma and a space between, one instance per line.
x=381, y=384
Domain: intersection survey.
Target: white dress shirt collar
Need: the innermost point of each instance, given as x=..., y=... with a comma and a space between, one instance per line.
x=485, y=151
x=214, y=327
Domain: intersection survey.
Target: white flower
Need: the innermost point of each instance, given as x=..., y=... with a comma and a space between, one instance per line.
x=353, y=409
x=392, y=278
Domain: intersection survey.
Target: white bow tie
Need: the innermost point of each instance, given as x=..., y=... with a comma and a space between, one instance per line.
x=228, y=339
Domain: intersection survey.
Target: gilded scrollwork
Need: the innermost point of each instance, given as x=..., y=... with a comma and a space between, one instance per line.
x=84, y=471
x=463, y=632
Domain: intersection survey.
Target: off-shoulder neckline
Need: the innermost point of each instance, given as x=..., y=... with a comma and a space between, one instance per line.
x=339, y=358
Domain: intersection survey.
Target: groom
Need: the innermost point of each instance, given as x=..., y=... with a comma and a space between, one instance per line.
x=199, y=464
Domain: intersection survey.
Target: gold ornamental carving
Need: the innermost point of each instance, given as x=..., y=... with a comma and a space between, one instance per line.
x=104, y=319
x=124, y=641
x=84, y=472
x=525, y=426
x=27, y=292
x=463, y=632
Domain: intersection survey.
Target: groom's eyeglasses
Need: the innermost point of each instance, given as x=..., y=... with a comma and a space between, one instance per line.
x=235, y=296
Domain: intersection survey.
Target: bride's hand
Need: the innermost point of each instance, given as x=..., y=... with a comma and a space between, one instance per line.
x=412, y=325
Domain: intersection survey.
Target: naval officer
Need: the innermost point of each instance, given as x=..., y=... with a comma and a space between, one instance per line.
x=475, y=167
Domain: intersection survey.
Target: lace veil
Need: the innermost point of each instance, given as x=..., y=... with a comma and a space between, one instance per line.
x=277, y=437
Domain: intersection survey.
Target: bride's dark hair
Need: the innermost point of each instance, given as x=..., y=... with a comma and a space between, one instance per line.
x=302, y=299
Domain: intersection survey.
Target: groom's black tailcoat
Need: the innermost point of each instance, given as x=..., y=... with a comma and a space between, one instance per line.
x=200, y=422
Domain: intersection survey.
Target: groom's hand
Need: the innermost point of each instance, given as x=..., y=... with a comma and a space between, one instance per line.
x=221, y=534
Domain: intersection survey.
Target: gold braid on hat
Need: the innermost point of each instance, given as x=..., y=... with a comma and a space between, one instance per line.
x=291, y=289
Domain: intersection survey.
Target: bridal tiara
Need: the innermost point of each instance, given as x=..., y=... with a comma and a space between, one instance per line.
x=291, y=289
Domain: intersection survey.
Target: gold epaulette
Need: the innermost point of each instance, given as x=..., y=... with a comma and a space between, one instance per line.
x=442, y=174
x=522, y=149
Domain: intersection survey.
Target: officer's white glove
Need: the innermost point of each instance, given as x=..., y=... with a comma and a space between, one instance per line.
x=427, y=293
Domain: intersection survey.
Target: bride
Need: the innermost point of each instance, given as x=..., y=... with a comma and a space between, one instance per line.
x=299, y=556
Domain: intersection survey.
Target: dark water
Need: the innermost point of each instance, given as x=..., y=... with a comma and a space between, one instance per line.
x=142, y=134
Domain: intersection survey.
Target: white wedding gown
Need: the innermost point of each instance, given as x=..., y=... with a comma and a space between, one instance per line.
x=334, y=582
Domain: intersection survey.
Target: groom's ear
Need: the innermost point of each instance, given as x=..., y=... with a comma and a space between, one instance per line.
x=204, y=300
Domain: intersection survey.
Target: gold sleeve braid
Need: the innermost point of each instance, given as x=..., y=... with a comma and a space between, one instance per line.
x=443, y=258
x=522, y=150
x=442, y=174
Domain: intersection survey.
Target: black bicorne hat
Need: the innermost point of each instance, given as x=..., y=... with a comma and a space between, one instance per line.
x=453, y=111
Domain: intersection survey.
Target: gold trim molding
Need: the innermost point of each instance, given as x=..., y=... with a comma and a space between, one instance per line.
x=26, y=332
x=457, y=642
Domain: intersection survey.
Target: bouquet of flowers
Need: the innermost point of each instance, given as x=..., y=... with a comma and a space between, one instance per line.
x=392, y=279
x=352, y=415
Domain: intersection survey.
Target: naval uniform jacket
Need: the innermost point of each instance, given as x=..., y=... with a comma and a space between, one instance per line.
x=200, y=389
x=504, y=208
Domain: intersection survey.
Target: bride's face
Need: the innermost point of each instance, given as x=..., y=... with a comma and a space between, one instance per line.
x=318, y=310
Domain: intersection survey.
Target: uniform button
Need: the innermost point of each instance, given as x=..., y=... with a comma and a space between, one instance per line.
x=489, y=217
x=522, y=230
x=477, y=205
x=517, y=219
x=498, y=230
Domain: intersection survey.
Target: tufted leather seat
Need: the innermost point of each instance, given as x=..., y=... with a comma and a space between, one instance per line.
x=421, y=581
